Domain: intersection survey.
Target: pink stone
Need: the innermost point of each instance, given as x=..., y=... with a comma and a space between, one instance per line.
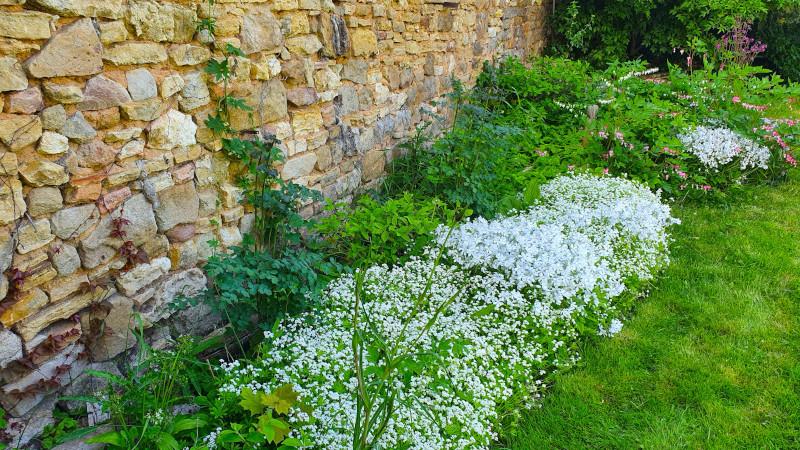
x=110, y=201
x=184, y=173
x=96, y=154
x=28, y=101
x=181, y=233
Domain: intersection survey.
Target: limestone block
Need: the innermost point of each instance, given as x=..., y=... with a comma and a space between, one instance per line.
x=44, y=200
x=171, y=130
x=101, y=93
x=74, y=50
x=12, y=76
x=141, y=84
x=41, y=172
x=70, y=223
x=12, y=207
x=177, y=205
x=29, y=101
x=134, y=53
x=26, y=25
x=260, y=31
x=114, y=318
x=142, y=275
x=52, y=143
x=19, y=130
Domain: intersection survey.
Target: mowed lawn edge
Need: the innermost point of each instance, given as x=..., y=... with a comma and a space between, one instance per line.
x=711, y=359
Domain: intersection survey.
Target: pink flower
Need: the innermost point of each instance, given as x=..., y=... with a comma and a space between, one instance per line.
x=790, y=159
x=605, y=171
x=706, y=187
x=736, y=99
x=682, y=174
x=570, y=167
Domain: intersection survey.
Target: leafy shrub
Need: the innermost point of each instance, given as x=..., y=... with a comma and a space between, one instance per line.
x=470, y=165
x=603, y=31
x=250, y=286
x=615, y=121
x=780, y=30
x=382, y=233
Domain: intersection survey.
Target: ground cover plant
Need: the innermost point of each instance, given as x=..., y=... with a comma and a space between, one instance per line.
x=444, y=341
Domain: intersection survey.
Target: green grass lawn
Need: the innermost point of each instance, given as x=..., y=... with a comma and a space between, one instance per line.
x=711, y=359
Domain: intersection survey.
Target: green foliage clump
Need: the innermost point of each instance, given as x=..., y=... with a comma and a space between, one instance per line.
x=780, y=31
x=382, y=233
x=616, y=121
x=176, y=400
x=602, y=31
x=468, y=165
x=255, y=286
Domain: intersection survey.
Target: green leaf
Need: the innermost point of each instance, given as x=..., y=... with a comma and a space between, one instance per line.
x=166, y=441
x=281, y=399
x=228, y=437
x=112, y=438
x=188, y=424
x=254, y=402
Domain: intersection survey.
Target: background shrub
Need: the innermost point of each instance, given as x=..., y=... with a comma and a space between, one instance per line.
x=602, y=31
x=780, y=30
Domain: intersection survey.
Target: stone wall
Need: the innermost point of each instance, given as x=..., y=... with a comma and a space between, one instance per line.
x=104, y=153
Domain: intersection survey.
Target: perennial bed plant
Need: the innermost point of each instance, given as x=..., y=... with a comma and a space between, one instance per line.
x=482, y=318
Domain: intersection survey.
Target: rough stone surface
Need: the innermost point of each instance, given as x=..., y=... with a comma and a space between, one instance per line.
x=101, y=93
x=188, y=55
x=260, y=32
x=25, y=25
x=177, y=205
x=54, y=117
x=114, y=318
x=41, y=172
x=142, y=275
x=12, y=206
x=141, y=84
x=10, y=348
x=44, y=200
x=171, y=130
x=74, y=50
x=299, y=166
x=171, y=85
x=129, y=53
x=19, y=130
x=110, y=9
x=194, y=93
x=95, y=154
x=29, y=101
x=188, y=283
x=63, y=92
x=72, y=222
x=34, y=235
x=99, y=246
x=78, y=129
x=65, y=259
x=52, y=143
x=12, y=76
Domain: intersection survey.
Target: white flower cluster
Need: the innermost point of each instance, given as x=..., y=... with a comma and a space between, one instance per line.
x=586, y=238
x=718, y=146
x=516, y=293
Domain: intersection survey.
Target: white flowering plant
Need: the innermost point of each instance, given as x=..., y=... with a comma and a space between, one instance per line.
x=429, y=354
